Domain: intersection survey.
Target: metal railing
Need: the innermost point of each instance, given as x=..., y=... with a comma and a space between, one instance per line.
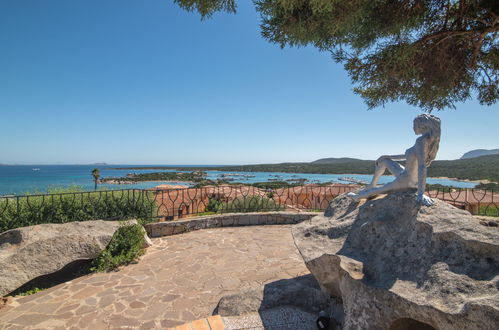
x=171, y=204
x=483, y=202
x=179, y=203
x=27, y=210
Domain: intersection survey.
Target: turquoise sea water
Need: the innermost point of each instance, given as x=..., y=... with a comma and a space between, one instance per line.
x=21, y=179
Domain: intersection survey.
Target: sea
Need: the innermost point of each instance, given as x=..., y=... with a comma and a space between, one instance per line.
x=39, y=179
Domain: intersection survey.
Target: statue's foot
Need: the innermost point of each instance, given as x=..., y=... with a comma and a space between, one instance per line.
x=353, y=196
x=425, y=200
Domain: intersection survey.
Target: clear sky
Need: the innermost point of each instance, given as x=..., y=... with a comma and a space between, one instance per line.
x=144, y=82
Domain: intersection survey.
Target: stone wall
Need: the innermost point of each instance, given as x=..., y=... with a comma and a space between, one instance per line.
x=168, y=228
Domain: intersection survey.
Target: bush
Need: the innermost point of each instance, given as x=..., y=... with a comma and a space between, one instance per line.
x=65, y=207
x=489, y=210
x=250, y=204
x=213, y=205
x=125, y=246
x=273, y=185
x=490, y=185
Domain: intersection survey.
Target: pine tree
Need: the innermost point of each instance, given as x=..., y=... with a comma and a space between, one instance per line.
x=96, y=175
x=430, y=53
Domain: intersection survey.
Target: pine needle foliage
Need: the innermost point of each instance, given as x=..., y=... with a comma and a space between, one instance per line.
x=430, y=53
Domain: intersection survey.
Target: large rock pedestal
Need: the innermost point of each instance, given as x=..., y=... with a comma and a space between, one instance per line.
x=399, y=265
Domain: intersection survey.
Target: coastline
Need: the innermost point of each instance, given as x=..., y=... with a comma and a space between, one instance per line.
x=462, y=180
x=126, y=182
x=135, y=182
x=54, y=177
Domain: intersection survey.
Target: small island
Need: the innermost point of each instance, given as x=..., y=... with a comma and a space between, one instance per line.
x=131, y=178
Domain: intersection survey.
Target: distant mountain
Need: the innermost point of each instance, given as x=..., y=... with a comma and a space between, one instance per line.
x=100, y=164
x=476, y=168
x=479, y=152
x=479, y=168
x=335, y=160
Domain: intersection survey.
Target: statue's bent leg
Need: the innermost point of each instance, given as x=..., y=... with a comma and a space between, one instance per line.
x=366, y=193
x=395, y=168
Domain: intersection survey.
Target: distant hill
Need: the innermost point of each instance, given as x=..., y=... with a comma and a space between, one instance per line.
x=479, y=152
x=335, y=160
x=478, y=168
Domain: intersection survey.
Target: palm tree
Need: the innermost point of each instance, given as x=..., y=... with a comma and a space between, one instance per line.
x=96, y=175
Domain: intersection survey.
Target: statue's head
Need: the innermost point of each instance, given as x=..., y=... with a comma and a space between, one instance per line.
x=430, y=126
x=427, y=124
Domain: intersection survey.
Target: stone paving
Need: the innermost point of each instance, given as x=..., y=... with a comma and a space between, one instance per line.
x=180, y=279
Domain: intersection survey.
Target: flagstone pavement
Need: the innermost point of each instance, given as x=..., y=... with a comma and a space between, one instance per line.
x=181, y=278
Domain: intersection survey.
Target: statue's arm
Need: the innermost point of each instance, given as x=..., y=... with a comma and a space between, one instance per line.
x=421, y=179
x=397, y=157
x=392, y=157
x=421, y=151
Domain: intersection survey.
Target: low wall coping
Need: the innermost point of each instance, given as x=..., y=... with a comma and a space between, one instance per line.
x=174, y=227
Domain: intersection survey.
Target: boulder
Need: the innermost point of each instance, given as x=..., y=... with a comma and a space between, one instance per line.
x=29, y=252
x=399, y=265
x=302, y=292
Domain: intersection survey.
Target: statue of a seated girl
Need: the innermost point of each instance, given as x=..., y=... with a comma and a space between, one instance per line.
x=417, y=159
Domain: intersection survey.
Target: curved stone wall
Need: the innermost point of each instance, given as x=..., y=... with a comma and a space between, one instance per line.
x=168, y=228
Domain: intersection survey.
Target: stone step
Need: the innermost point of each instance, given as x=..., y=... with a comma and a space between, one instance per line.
x=209, y=323
x=284, y=317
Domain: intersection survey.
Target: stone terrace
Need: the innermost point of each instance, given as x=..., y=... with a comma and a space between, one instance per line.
x=181, y=278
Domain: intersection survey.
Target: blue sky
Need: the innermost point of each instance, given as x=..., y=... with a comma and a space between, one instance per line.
x=144, y=82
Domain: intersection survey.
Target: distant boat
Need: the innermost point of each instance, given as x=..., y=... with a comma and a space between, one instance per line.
x=36, y=169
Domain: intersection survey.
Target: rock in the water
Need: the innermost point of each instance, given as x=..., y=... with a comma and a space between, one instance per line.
x=29, y=252
x=397, y=264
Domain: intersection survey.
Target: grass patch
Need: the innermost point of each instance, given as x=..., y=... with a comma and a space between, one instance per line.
x=69, y=272
x=30, y=292
x=202, y=213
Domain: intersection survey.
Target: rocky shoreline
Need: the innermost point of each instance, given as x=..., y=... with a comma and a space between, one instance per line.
x=116, y=181
x=462, y=180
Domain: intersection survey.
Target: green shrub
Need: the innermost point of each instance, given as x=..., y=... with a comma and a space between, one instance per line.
x=65, y=207
x=489, y=210
x=490, y=185
x=125, y=246
x=273, y=184
x=250, y=204
x=213, y=205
